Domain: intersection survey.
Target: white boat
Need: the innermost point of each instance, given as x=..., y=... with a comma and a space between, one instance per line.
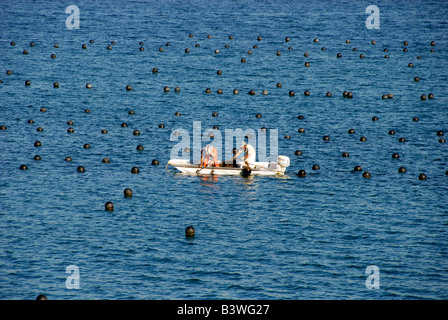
x=258, y=168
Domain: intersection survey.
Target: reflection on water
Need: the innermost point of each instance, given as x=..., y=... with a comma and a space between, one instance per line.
x=209, y=183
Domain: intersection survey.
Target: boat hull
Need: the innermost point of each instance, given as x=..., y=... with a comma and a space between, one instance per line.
x=187, y=168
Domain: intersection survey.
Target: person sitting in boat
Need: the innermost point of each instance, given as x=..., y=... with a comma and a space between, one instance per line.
x=209, y=156
x=249, y=154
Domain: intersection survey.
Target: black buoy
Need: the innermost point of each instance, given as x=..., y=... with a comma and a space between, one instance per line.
x=155, y=162
x=366, y=174
x=127, y=192
x=422, y=176
x=190, y=232
x=246, y=172
x=135, y=170
x=401, y=170
x=345, y=154
x=298, y=153
x=80, y=169
x=140, y=147
x=395, y=156
x=301, y=173
x=23, y=167
x=357, y=168
x=315, y=167
x=109, y=206
x=41, y=297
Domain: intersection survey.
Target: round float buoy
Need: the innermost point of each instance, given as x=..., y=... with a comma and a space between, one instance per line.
x=109, y=206
x=246, y=172
x=190, y=232
x=127, y=192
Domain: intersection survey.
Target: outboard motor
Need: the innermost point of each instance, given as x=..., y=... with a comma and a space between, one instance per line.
x=282, y=163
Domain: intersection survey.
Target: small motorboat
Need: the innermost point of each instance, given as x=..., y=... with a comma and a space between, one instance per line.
x=239, y=167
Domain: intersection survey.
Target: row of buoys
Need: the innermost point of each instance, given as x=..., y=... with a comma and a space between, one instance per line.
x=291, y=93
x=366, y=174
x=259, y=38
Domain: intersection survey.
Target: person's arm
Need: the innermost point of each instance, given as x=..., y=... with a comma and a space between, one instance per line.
x=237, y=154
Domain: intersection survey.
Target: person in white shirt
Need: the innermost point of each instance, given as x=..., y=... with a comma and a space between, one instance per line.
x=249, y=153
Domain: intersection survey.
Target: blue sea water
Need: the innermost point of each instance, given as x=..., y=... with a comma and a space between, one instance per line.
x=257, y=237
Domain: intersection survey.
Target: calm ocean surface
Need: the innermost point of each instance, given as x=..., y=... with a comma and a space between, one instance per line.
x=256, y=237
